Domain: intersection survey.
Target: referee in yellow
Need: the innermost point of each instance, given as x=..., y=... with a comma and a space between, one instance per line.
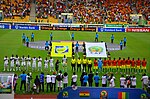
x=73, y=63
x=84, y=62
x=79, y=61
x=89, y=65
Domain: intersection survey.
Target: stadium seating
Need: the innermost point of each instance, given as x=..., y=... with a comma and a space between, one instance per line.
x=16, y=10
x=90, y=12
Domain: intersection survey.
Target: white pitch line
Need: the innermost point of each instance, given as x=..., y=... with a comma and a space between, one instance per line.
x=69, y=35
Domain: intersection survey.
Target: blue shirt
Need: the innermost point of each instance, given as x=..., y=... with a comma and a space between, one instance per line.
x=121, y=43
x=32, y=35
x=23, y=77
x=51, y=35
x=23, y=36
x=27, y=39
x=112, y=37
x=85, y=78
x=96, y=78
x=77, y=44
x=46, y=44
x=124, y=39
x=100, y=63
x=41, y=77
x=72, y=35
x=96, y=36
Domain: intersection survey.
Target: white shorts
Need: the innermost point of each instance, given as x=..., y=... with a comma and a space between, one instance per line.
x=51, y=65
x=23, y=63
x=60, y=84
x=12, y=64
x=39, y=64
x=64, y=64
x=34, y=65
x=46, y=65
x=6, y=64
x=17, y=63
x=28, y=63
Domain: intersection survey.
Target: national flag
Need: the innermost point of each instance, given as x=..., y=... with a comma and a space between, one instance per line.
x=84, y=94
x=123, y=95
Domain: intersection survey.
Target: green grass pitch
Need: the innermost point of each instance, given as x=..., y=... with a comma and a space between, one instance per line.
x=138, y=45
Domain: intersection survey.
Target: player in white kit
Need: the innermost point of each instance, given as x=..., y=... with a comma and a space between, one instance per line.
x=6, y=61
x=17, y=59
x=23, y=62
x=46, y=64
x=51, y=64
x=39, y=63
x=64, y=63
x=33, y=63
x=12, y=63
x=28, y=60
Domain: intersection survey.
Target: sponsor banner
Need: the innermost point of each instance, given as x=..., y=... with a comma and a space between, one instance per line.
x=137, y=29
x=115, y=25
x=4, y=26
x=46, y=28
x=90, y=29
x=95, y=50
x=103, y=93
x=59, y=49
x=111, y=29
x=24, y=27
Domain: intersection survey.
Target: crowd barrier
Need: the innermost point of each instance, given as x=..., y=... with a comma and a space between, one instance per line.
x=102, y=93
x=74, y=27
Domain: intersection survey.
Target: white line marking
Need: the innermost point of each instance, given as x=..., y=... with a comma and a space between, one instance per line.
x=69, y=34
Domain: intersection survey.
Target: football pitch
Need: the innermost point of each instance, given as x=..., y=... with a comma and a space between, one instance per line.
x=138, y=46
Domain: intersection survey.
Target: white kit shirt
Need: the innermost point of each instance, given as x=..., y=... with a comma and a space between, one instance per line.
x=6, y=60
x=65, y=79
x=74, y=78
x=104, y=79
x=48, y=79
x=53, y=78
x=145, y=79
x=122, y=81
x=133, y=81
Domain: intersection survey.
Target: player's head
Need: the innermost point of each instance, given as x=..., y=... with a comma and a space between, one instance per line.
x=104, y=58
x=65, y=74
x=95, y=58
x=6, y=56
x=123, y=58
x=46, y=58
x=119, y=58
x=74, y=73
x=73, y=56
x=114, y=58
x=23, y=72
x=39, y=57
x=23, y=56
x=109, y=58
x=12, y=55
x=128, y=58
x=138, y=58
x=60, y=71
x=133, y=76
x=16, y=55
x=89, y=58
x=122, y=75
x=50, y=57
x=96, y=73
x=143, y=58
x=78, y=57
x=28, y=55
x=132, y=58
x=64, y=56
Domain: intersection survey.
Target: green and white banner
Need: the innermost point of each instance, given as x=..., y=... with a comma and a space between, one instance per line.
x=95, y=50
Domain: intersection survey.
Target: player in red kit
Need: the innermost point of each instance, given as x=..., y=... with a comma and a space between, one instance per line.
x=123, y=67
x=133, y=65
x=138, y=65
x=104, y=65
x=128, y=65
x=144, y=63
x=95, y=65
x=109, y=65
x=119, y=62
x=114, y=65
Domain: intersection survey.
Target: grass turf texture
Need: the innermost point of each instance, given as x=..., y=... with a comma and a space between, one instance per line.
x=138, y=45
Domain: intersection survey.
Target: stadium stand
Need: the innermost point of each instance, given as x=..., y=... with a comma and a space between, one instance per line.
x=16, y=10
x=84, y=11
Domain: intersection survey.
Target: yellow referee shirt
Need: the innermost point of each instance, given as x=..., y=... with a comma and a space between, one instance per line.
x=79, y=61
x=73, y=61
x=84, y=61
x=89, y=61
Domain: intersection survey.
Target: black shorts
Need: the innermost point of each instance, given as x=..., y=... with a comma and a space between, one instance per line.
x=78, y=65
x=104, y=85
x=73, y=65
